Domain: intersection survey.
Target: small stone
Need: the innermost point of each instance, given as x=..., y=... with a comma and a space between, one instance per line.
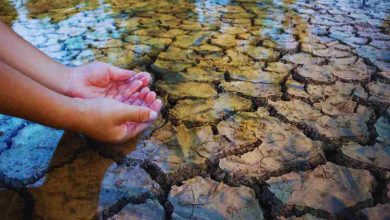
x=202, y=198
x=329, y=188
x=151, y=209
x=375, y=157
x=203, y=111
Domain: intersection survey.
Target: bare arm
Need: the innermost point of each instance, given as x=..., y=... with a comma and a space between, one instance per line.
x=22, y=97
x=22, y=56
x=102, y=119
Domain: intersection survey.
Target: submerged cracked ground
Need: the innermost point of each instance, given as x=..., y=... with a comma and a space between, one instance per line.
x=273, y=110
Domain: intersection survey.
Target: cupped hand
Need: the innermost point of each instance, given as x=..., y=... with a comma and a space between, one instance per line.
x=100, y=80
x=97, y=79
x=144, y=98
x=109, y=120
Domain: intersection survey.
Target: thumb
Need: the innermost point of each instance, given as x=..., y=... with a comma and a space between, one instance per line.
x=136, y=114
x=118, y=74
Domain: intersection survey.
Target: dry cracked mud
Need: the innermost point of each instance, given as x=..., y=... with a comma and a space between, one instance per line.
x=272, y=110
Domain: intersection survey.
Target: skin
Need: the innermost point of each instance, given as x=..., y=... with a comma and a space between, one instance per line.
x=104, y=102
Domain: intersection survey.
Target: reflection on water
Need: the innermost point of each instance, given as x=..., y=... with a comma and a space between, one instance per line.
x=81, y=184
x=210, y=59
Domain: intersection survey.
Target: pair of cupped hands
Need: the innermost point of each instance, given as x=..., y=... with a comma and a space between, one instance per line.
x=117, y=103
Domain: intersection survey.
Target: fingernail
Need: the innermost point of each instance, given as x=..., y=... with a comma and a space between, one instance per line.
x=153, y=115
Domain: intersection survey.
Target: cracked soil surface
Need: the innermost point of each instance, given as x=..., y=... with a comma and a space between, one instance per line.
x=272, y=110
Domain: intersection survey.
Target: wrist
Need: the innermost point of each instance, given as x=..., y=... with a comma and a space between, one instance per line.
x=76, y=114
x=65, y=74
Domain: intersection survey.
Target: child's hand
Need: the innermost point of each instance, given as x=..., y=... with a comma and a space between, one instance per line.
x=99, y=79
x=109, y=120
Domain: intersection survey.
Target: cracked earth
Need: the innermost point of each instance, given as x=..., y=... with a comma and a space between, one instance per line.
x=272, y=110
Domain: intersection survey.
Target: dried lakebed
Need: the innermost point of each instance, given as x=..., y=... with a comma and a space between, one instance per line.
x=272, y=110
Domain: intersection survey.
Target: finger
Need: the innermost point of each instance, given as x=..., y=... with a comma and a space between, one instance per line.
x=141, y=75
x=119, y=74
x=134, y=113
x=156, y=105
x=135, y=129
x=133, y=88
x=112, y=91
x=146, y=79
x=138, y=102
x=150, y=98
x=144, y=92
x=132, y=98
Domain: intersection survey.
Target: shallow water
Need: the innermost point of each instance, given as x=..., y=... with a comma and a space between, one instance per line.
x=251, y=89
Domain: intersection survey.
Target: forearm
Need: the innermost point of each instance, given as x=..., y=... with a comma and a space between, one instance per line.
x=22, y=97
x=22, y=56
